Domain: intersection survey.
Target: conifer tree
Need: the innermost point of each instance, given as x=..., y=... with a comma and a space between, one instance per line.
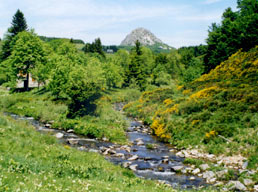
x=19, y=24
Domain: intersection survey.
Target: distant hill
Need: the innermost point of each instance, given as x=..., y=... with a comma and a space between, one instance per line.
x=146, y=38
x=47, y=39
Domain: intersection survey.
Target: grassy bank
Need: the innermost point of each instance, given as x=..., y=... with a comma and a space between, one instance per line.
x=217, y=112
x=105, y=122
x=30, y=161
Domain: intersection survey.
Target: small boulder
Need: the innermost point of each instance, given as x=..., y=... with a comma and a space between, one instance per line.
x=196, y=171
x=208, y=175
x=192, y=178
x=133, y=167
x=177, y=168
x=236, y=185
x=248, y=182
x=180, y=154
x=204, y=167
x=70, y=131
x=59, y=135
x=133, y=158
x=140, y=143
x=222, y=173
x=256, y=188
x=73, y=141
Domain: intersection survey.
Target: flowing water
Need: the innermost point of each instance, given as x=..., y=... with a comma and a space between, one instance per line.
x=146, y=156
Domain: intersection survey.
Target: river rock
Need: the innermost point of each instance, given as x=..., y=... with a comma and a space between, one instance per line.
x=248, y=182
x=222, y=173
x=165, y=161
x=140, y=143
x=72, y=141
x=204, y=167
x=59, y=135
x=106, y=152
x=112, y=152
x=196, y=171
x=236, y=185
x=133, y=158
x=192, y=178
x=177, y=168
x=133, y=167
x=180, y=154
x=48, y=125
x=208, y=175
x=256, y=188
x=120, y=155
x=127, y=164
x=245, y=164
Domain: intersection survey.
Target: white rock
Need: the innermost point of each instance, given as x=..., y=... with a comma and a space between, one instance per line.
x=208, y=175
x=133, y=158
x=126, y=164
x=245, y=164
x=221, y=173
x=236, y=185
x=196, y=171
x=212, y=180
x=256, y=188
x=180, y=154
x=204, y=167
x=70, y=131
x=200, y=175
x=177, y=168
x=72, y=141
x=59, y=135
x=140, y=142
x=106, y=152
x=48, y=125
x=248, y=182
x=133, y=167
x=192, y=178
x=121, y=155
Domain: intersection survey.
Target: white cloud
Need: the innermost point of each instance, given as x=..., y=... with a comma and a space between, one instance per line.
x=211, y=1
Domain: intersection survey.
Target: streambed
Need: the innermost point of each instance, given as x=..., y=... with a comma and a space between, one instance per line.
x=146, y=156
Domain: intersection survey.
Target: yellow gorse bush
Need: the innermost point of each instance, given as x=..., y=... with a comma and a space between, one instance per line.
x=159, y=129
x=168, y=102
x=210, y=134
x=204, y=93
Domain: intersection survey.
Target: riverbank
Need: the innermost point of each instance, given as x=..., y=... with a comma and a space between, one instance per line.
x=39, y=163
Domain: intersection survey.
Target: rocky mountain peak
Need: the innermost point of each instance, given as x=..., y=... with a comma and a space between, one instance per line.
x=143, y=35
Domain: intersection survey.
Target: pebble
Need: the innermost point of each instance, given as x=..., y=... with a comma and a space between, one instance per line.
x=192, y=178
x=133, y=167
x=177, y=168
x=59, y=135
x=133, y=158
x=196, y=171
x=204, y=167
x=236, y=185
x=70, y=131
x=248, y=182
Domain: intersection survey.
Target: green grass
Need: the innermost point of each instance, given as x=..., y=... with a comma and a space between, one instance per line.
x=30, y=161
x=106, y=122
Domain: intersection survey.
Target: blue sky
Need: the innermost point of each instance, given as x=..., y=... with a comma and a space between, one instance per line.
x=176, y=22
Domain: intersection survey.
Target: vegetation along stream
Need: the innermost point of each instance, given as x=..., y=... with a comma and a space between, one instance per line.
x=146, y=156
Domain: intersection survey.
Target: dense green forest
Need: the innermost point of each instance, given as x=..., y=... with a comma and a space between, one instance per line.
x=201, y=97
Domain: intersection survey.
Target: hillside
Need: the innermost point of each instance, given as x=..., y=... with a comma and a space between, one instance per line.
x=217, y=112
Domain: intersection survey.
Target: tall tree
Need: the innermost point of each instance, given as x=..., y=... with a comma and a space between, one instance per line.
x=28, y=51
x=237, y=30
x=18, y=24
